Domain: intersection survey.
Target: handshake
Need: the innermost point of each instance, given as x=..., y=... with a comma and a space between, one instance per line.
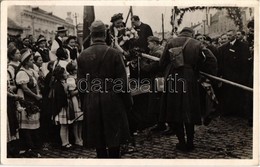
x=135, y=52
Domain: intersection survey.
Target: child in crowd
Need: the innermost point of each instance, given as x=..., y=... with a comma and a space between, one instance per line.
x=62, y=114
x=74, y=98
x=37, y=67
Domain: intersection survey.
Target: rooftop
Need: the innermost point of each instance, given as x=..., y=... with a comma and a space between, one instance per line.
x=12, y=25
x=38, y=10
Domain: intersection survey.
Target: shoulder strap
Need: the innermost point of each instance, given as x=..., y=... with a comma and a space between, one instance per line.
x=186, y=42
x=102, y=59
x=9, y=73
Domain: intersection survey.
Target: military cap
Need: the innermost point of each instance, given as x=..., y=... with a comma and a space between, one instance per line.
x=97, y=26
x=187, y=29
x=153, y=39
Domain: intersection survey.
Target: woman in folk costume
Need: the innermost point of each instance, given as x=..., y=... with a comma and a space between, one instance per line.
x=62, y=115
x=71, y=48
x=29, y=117
x=74, y=98
x=38, y=68
x=43, y=52
x=14, y=57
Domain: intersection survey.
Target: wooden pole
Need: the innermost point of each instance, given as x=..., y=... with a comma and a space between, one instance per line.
x=162, y=27
x=207, y=75
x=227, y=82
x=173, y=20
x=89, y=17
x=130, y=12
x=204, y=26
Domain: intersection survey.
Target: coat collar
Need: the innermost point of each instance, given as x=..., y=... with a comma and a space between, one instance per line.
x=233, y=42
x=98, y=42
x=185, y=34
x=155, y=48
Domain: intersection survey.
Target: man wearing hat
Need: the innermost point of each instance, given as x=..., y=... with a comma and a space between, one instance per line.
x=181, y=104
x=207, y=42
x=43, y=52
x=58, y=42
x=26, y=44
x=105, y=121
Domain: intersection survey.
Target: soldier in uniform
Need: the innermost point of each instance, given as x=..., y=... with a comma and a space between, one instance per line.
x=152, y=67
x=182, y=103
x=105, y=120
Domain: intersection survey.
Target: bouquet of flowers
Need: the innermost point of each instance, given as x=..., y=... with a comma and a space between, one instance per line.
x=130, y=33
x=125, y=34
x=29, y=107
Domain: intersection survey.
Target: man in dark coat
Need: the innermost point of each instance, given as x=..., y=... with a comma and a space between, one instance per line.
x=144, y=31
x=182, y=98
x=234, y=66
x=141, y=101
x=26, y=44
x=104, y=104
x=58, y=43
x=250, y=40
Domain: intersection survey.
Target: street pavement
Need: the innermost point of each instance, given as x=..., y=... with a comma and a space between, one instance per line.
x=223, y=138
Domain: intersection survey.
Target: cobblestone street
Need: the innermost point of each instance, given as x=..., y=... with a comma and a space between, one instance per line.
x=224, y=138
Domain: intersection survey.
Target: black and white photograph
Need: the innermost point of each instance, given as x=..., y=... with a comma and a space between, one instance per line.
x=129, y=80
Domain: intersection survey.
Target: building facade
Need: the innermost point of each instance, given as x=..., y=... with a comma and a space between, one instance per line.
x=36, y=21
x=198, y=28
x=220, y=22
x=12, y=28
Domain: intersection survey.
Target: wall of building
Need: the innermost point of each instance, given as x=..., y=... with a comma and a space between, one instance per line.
x=220, y=23
x=36, y=23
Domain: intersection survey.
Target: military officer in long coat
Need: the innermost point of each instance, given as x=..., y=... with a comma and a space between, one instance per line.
x=106, y=124
x=182, y=103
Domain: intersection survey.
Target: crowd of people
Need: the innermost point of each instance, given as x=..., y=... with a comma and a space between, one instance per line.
x=47, y=108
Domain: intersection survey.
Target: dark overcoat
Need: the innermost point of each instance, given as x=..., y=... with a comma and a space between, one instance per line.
x=152, y=67
x=182, y=104
x=105, y=120
x=144, y=31
x=234, y=65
